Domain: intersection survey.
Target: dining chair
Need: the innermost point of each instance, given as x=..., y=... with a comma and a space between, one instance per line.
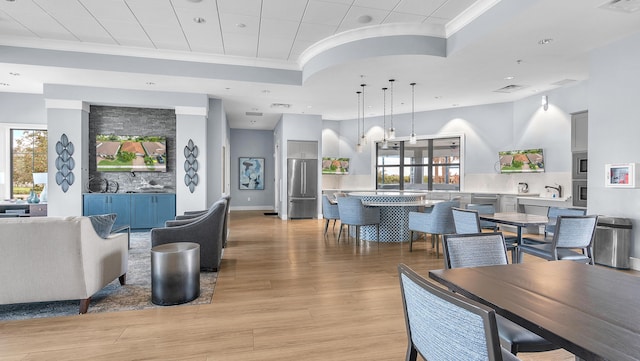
x=354, y=213
x=571, y=233
x=484, y=209
x=554, y=212
x=488, y=249
x=329, y=212
x=436, y=220
x=468, y=221
x=442, y=325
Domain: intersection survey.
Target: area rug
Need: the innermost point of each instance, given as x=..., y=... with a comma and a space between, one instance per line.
x=135, y=295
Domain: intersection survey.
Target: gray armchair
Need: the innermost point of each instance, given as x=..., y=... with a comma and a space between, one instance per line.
x=436, y=220
x=329, y=212
x=195, y=214
x=206, y=230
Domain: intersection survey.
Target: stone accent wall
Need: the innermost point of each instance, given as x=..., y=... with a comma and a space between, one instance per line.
x=132, y=121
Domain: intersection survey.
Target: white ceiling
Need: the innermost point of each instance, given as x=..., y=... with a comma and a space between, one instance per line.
x=276, y=33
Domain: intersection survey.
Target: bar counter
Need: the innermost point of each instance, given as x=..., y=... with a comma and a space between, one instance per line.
x=394, y=213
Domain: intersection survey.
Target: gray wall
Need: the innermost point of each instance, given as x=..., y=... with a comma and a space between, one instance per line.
x=256, y=144
x=614, y=127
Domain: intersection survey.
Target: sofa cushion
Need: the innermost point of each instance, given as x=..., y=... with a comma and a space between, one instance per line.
x=103, y=223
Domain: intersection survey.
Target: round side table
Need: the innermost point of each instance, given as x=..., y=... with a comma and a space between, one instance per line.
x=175, y=273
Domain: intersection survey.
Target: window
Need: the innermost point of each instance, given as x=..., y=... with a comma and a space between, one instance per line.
x=430, y=164
x=28, y=156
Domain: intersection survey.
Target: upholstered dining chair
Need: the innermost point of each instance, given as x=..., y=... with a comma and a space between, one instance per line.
x=488, y=249
x=436, y=220
x=484, y=209
x=468, y=221
x=354, y=213
x=329, y=212
x=572, y=233
x=442, y=325
x=465, y=220
x=554, y=212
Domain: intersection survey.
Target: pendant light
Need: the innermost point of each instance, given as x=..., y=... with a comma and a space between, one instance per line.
x=363, y=138
x=385, y=143
x=412, y=138
x=359, y=145
x=392, y=130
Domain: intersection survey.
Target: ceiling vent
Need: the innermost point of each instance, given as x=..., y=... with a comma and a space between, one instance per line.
x=511, y=88
x=253, y=114
x=280, y=106
x=625, y=6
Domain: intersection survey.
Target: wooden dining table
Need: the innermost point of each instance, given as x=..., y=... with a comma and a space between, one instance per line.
x=519, y=220
x=591, y=311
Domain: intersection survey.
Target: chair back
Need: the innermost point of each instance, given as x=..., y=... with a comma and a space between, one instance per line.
x=474, y=250
x=554, y=212
x=441, y=217
x=466, y=220
x=575, y=231
x=329, y=210
x=442, y=325
x=353, y=212
x=484, y=209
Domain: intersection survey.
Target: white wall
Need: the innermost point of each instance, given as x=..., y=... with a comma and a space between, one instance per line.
x=614, y=125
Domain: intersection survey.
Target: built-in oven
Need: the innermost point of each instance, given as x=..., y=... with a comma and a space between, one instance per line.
x=579, y=194
x=580, y=166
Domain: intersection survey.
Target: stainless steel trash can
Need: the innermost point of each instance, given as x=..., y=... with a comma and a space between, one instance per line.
x=612, y=243
x=175, y=273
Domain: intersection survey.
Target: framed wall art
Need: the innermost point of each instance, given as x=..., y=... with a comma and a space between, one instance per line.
x=251, y=173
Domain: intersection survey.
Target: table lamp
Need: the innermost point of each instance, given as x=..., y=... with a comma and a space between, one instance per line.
x=41, y=178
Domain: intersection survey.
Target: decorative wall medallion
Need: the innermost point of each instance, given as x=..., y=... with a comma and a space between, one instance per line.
x=64, y=163
x=191, y=166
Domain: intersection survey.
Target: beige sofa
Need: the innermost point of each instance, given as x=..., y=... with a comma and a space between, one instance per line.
x=57, y=258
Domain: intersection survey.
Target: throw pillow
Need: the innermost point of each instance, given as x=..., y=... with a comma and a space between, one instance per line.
x=103, y=223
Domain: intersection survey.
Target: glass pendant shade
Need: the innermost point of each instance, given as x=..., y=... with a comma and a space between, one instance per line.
x=412, y=138
x=392, y=131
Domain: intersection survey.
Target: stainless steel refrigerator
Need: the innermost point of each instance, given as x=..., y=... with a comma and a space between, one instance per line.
x=302, y=186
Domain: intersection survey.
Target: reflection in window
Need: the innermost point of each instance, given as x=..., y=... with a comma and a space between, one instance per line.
x=430, y=164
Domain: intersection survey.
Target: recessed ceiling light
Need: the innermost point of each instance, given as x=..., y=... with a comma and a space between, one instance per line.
x=266, y=91
x=241, y=25
x=365, y=19
x=14, y=73
x=438, y=97
x=5, y=84
x=150, y=83
x=510, y=77
x=199, y=20
x=195, y=1
x=545, y=41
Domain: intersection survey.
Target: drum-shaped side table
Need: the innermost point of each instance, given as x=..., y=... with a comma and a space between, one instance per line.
x=175, y=273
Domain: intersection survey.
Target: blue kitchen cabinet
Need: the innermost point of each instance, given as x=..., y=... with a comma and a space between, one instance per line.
x=138, y=211
x=152, y=210
x=102, y=203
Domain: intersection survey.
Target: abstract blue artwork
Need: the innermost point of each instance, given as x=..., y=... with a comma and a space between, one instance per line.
x=251, y=173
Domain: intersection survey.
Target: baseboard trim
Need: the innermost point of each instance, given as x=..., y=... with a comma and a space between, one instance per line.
x=251, y=208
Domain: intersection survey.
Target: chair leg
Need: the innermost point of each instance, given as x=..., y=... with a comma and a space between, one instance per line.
x=326, y=226
x=410, y=241
x=340, y=233
x=357, y=235
x=436, y=237
x=378, y=234
x=334, y=224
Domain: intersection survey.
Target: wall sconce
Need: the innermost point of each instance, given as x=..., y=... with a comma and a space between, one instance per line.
x=545, y=102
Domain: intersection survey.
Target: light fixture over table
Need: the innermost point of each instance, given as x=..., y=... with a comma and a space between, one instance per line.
x=412, y=138
x=392, y=130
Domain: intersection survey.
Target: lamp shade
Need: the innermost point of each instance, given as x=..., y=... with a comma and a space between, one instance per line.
x=40, y=178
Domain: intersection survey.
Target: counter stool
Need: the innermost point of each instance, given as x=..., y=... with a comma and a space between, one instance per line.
x=175, y=273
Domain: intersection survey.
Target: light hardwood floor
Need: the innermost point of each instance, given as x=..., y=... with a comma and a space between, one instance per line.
x=284, y=292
